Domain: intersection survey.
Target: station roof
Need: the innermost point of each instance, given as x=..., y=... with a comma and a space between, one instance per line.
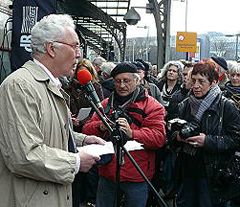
x=100, y=21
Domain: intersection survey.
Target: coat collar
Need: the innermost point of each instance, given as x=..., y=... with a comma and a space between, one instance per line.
x=40, y=76
x=216, y=104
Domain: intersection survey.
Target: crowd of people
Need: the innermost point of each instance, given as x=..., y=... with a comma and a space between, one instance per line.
x=186, y=116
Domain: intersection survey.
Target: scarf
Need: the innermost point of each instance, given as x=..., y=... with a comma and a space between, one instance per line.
x=116, y=101
x=233, y=89
x=167, y=95
x=234, y=92
x=221, y=77
x=199, y=106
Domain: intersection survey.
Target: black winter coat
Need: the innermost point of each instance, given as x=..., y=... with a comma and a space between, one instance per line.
x=218, y=147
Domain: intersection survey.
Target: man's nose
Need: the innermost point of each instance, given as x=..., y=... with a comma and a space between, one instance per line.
x=78, y=53
x=122, y=84
x=195, y=85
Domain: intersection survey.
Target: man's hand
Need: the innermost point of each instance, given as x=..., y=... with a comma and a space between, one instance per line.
x=102, y=126
x=124, y=125
x=180, y=139
x=93, y=140
x=197, y=141
x=76, y=121
x=87, y=161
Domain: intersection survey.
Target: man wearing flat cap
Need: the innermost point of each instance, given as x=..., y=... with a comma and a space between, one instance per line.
x=152, y=89
x=142, y=119
x=221, y=66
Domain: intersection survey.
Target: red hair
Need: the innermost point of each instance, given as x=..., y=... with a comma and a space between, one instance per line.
x=207, y=69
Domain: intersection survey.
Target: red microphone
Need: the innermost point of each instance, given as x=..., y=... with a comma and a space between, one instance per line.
x=84, y=77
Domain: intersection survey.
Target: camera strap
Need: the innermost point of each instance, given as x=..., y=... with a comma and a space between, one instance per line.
x=222, y=104
x=125, y=109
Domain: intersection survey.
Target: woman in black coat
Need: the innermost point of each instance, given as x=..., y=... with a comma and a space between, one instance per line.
x=208, y=142
x=170, y=81
x=232, y=87
x=232, y=91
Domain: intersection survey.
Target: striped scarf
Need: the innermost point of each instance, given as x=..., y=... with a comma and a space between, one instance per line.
x=199, y=106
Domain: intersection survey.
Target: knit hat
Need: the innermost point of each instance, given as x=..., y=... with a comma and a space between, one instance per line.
x=124, y=68
x=139, y=65
x=220, y=61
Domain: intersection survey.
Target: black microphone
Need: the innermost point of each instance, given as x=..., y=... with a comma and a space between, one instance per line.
x=84, y=77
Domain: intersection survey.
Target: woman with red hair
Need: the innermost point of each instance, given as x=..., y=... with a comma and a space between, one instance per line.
x=208, y=140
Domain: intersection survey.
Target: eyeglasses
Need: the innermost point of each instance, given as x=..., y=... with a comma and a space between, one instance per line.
x=235, y=74
x=124, y=81
x=75, y=47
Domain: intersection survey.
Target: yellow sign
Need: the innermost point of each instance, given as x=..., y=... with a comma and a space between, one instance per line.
x=186, y=42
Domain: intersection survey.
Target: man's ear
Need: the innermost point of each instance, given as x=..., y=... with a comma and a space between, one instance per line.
x=50, y=49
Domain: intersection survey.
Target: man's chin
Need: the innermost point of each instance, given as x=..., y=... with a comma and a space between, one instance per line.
x=198, y=94
x=123, y=93
x=73, y=71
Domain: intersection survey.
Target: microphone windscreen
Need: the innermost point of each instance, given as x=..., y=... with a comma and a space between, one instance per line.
x=84, y=76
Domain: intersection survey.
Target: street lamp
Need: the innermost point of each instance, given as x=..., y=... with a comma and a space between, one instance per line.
x=147, y=40
x=236, y=44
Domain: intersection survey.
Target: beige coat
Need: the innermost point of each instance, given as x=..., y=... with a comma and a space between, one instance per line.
x=35, y=167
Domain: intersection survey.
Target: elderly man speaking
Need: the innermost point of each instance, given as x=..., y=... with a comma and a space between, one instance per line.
x=38, y=159
x=142, y=119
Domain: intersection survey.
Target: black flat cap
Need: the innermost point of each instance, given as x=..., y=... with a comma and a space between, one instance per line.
x=124, y=68
x=139, y=65
x=220, y=61
x=146, y=65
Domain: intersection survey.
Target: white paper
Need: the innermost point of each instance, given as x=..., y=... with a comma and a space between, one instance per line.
x=83, y=113
x=97, y=150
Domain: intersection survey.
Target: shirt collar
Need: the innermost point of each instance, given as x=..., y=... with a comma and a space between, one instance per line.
x=55, y=80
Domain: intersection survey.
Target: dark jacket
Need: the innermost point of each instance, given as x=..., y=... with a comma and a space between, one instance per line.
x=78, y=100
x=232, y=92
x=108, y=87
x=153, y=90
x=151, y=133
x=218, y=147
x=177, y=97
x=167, y=97
x=161, y=83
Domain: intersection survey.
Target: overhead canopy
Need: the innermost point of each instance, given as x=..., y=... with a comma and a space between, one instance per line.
x=100, y=21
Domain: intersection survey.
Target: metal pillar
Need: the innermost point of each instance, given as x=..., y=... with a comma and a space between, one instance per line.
x=161, y=12
x=236, y=56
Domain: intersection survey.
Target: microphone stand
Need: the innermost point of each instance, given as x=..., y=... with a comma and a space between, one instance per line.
x=117, y=141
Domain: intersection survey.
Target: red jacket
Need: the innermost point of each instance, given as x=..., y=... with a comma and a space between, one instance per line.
x=151, y=134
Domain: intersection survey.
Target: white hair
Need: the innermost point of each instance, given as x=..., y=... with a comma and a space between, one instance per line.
x=108, y=67
x=231, y=64
x=49, y=28
x=235, y=68
x=98, y=61
x=136, y=76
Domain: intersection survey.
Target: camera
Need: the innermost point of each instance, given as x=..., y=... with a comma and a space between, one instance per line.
x=132, y=17
x=186, y=129
x=118, y=135
x=119, y=113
